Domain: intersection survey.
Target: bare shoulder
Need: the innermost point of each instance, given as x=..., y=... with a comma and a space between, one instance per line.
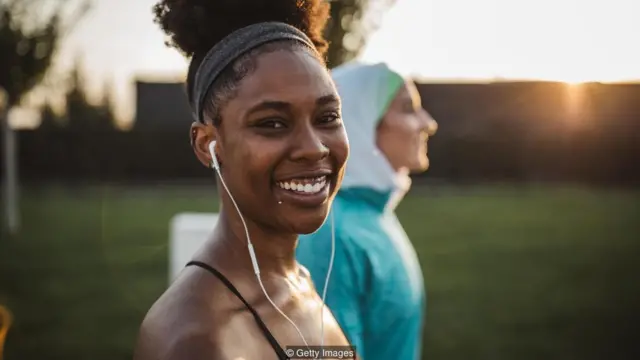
x=180, y=325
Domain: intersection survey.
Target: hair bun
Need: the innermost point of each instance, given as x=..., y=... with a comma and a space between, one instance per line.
x=195, y=26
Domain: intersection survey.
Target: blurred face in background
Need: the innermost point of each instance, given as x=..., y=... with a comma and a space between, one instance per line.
x=404, y=130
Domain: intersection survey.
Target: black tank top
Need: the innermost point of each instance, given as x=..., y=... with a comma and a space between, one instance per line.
x=274, y=343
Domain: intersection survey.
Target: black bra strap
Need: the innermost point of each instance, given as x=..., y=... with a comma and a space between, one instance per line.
x=274, y=343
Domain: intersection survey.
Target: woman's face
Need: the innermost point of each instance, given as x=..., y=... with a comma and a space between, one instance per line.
x=404, y=130
x=281, y=143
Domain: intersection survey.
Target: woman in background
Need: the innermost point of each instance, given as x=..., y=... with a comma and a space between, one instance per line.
x=376, y=290
x=268, y=122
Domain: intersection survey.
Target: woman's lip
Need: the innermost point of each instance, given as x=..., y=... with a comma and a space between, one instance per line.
x=304, y=200
x=305, y=175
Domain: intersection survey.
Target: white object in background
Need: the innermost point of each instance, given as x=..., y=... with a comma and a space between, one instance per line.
x=188, y=232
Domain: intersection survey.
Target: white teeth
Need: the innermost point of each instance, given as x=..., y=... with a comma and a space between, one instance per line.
x=304, y=186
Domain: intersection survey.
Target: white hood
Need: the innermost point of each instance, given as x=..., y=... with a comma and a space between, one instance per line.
x=366, y=91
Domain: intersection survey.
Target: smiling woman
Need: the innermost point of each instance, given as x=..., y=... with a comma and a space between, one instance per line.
x=267, y=119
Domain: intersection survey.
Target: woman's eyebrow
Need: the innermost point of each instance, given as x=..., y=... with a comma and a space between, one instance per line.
x=269, y=105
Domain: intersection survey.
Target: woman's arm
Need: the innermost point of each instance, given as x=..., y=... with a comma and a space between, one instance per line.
x=170, y=339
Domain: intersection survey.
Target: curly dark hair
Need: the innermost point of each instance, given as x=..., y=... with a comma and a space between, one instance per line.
x=195, y=26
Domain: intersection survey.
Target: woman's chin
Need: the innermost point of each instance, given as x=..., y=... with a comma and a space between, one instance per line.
x=304, y=224
x=420, y=165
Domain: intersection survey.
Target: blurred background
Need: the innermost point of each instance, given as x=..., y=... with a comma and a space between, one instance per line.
x=526, y=224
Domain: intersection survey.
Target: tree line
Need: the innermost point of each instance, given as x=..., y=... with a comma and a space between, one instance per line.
x=497, y=138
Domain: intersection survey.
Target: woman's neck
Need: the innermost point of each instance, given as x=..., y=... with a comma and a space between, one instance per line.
x=275, y=252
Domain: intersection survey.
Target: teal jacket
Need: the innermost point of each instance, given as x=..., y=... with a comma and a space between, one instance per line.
x=376, y=289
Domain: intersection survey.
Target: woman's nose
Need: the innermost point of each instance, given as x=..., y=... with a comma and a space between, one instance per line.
x=428, y=123
x=309, y=146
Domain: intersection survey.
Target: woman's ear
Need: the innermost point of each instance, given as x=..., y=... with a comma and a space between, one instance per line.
x=201, y=135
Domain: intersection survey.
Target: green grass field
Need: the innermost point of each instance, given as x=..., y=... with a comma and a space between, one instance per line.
x=511, y=273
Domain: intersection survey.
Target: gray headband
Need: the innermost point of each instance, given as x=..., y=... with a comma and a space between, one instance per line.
x=233, y=46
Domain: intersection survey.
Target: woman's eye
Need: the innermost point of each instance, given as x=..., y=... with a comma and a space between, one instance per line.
x=272, y=124
x=330, y=119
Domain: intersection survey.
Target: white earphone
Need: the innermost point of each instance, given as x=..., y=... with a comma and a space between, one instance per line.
x=254, y=261
x=214, y=158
